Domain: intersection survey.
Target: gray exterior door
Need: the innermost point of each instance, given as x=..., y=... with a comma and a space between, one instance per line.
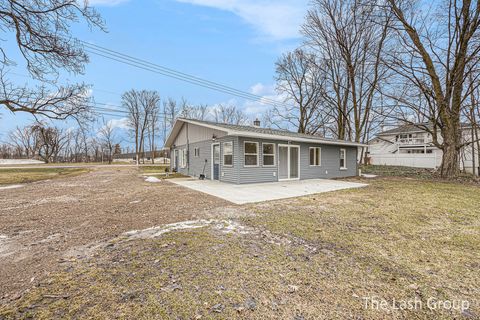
x=175, y=160
x=216, y=162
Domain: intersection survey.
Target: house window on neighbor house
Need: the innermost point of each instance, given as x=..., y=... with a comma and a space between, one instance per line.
x=228, y=154
x=268, y=154
x=251, y=153
x=197, y=152
x=315, y=156
x=343, y=159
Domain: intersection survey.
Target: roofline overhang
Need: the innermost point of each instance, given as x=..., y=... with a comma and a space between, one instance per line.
x=177, y=126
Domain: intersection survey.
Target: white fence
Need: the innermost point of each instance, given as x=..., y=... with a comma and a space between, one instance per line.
x=408, y=160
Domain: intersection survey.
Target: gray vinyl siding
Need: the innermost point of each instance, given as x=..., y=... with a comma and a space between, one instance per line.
x=229, y=173
x=330, y=162
x=239, y=174
x=195, y=164
x=259, y=173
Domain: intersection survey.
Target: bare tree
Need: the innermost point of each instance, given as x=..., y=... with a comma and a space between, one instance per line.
x=153, y=125
x=229, y=114
x=24, y=139
x=349, y=39
x=43, y=37
x=302, y=82
x=438, y=50
x=140, y=105
x=50, y=142
x=108, y=139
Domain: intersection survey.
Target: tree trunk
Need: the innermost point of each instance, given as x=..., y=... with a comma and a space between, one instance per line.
x=450, y=167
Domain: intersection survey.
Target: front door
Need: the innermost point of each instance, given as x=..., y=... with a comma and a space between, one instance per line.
x=288, y=162
x=216, y=162
x=175, y=160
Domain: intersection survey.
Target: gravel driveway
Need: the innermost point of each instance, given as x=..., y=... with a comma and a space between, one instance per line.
x=47, y=224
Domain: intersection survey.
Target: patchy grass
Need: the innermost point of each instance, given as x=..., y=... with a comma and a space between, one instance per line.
x=159, y=172
x=414, y=173
x=154, y=169
x=313, y=257
x=25, y=175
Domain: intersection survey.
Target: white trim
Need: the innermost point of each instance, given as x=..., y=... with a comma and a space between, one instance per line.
x=223, y=155
x=269, y=155
x=212, y=161
x=344, y=158
x=315, y=157
x=288, y=161
x=251, y=154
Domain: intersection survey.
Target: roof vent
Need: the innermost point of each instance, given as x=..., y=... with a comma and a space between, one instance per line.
x=256, y=123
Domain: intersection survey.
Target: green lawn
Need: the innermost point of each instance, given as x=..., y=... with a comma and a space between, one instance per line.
x=314, y=257
x=25, y=175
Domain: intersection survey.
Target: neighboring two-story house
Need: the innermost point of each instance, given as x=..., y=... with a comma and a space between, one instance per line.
x=408, y=145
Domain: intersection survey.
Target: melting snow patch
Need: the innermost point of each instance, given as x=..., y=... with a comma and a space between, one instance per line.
x=20, y=161
x=225, y=226
x=13, y=186
x=369, y=176
x=152, y=180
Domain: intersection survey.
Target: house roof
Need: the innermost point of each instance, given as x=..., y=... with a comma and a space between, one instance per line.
x=411, y=128
x=406, y=128
x=256, y=132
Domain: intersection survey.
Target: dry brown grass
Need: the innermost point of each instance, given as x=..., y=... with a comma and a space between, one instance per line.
x=25, y=175
x=313, y=257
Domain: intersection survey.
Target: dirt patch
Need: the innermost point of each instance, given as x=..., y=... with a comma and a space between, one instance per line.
x=46, y=222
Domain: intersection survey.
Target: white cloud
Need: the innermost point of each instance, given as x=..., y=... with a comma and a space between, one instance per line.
x=276, y=19
x=119, y=123
x=107, y=3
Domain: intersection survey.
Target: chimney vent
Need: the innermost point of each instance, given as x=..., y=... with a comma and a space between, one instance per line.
x=256, y=123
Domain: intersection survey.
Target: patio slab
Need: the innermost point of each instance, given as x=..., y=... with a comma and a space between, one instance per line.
x=258, y=192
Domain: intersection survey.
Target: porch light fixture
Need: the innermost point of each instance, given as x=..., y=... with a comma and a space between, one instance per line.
x=214, y=137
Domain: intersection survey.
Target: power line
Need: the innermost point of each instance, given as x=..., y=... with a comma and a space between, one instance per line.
x=152, y=67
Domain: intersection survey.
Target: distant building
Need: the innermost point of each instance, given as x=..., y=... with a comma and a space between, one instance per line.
x=407, y=145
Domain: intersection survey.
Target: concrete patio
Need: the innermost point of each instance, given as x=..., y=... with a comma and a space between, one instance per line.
x=258, y=192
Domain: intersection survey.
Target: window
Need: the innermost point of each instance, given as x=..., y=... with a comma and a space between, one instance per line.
x=251, y=153
x=228, y=153
x=315, y=156
x=196, y=152
x=268, y=154
x=343, y=157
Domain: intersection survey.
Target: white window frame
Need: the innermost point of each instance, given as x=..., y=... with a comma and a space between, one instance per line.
x=251, y=154
x=344, y=158
x=315, y=156
x=224, y=154
x=274, y=155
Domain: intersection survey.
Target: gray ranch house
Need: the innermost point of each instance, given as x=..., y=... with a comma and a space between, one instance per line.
x=251, y=154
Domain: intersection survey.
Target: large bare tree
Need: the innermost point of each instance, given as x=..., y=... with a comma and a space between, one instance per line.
x=41, y=30
x=437, y=51
x=301, y=82
x=348, y=37
x=140, y=106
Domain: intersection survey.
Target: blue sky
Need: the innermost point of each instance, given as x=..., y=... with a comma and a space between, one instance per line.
x=234, y=42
